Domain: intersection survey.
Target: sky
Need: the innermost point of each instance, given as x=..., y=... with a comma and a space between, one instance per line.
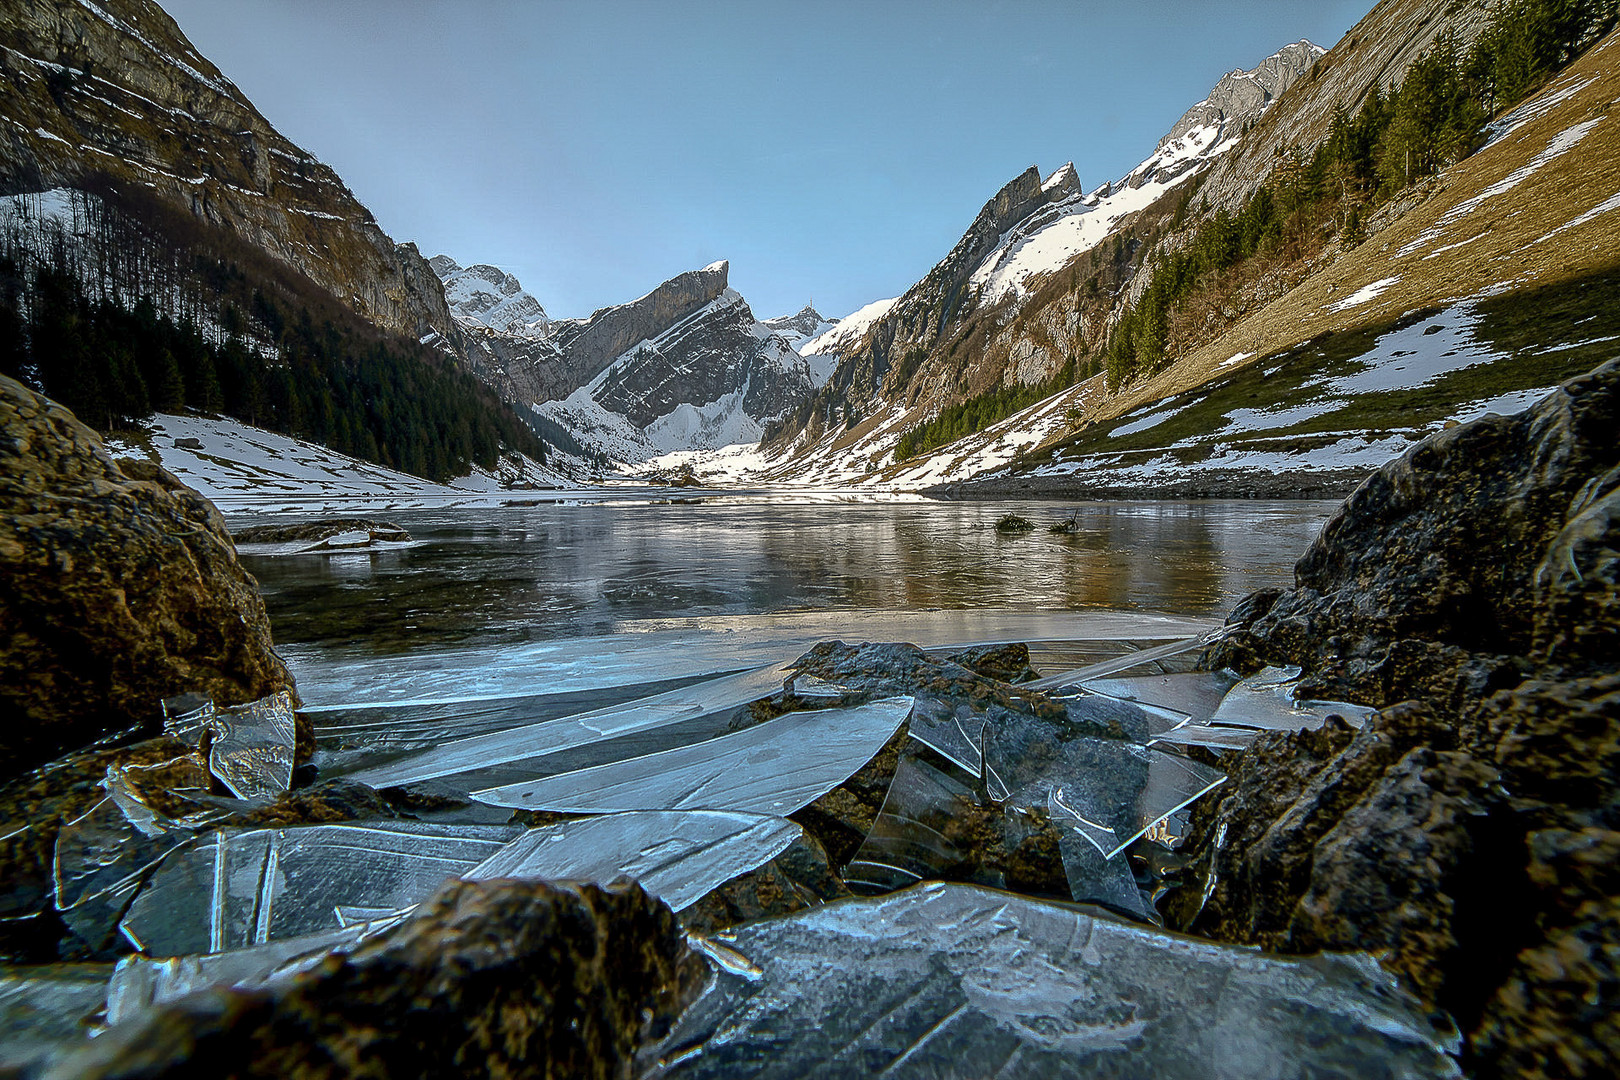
x=833, y=152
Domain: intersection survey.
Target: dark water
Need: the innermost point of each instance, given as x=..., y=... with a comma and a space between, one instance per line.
x=523, y=574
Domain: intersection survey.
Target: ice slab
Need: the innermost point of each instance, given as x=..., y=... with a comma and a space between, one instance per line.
x=243, y=887
x=956, y=981
x=45, y=1011
x=677, y=648
x=140, y=982
x=1101, y=794
x=567, y=732
x=102, y=857
x=252, y=748
x=1194, y=693
x=347, y=739
x=1136, y=658
x=678, y=856
x=1266, y=700
x=771, y=768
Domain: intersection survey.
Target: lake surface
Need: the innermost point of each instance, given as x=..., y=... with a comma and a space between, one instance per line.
x=488, y=582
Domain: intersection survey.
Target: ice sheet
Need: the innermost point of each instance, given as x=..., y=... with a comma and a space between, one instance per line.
x=955, y=981
x=1194, y=693
x=347, y=739
x=683, y=648
x=771, y=768
x=244, y=887
x=553, y=736
x=678, y=856
x=1093, y=672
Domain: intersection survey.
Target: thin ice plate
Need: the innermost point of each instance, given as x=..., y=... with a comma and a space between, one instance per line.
x=1266, y=701
x=952, y=981
x=678, y=856
x=771, y=768
x=564, y=733
x=242, y=887
x=252, y=748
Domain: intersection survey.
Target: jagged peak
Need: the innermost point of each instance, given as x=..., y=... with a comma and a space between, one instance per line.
x=1065, y=180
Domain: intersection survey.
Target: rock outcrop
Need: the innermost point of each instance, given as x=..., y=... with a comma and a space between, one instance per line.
x=114, y=92
x=1466, y=832
x=587, y=346
x=119, y=586
x=500, y=979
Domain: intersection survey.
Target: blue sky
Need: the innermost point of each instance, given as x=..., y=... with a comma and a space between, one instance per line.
x=832, y=151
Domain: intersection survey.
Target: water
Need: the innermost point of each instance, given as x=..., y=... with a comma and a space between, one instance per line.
x=493, y=578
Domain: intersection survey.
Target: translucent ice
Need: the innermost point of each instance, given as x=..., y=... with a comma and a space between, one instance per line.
x=252, y=749
x=956, y=981
x=771, y=768
x=678, y=856
x=242, y=887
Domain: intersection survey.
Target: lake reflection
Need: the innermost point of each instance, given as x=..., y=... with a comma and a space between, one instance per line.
x=535, y=572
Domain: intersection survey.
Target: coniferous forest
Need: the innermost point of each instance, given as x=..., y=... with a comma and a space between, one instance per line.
x=126, y=311
x=1435, y=116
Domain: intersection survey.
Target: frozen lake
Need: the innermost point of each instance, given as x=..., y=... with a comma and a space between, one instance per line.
x=555, y=597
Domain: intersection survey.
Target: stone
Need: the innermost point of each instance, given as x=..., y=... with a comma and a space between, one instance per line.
x=1468, y=832
x=115, y=592
x=506, y=979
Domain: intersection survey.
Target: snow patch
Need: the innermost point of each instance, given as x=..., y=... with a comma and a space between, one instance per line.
x=1364, y=294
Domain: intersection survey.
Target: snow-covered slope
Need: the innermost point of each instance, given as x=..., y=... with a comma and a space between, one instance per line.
x=240, y=467
x=1049, y=239
x=487, y=296
x=799, y=328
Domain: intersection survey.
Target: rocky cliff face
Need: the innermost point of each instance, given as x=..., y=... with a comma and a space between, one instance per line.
x=1376, y=52
x=685, y=366
x=119, y=586
x=113, y=92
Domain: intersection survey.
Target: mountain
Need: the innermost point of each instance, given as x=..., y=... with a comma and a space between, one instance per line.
x=165, y=248
x=687, y=366
x=488, y=297
x=805, y=325
x=933, y=345
x=1329, y=257
x=112, y=92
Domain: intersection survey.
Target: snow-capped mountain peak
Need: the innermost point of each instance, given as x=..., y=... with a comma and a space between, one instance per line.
x=484, y=296
x=800, y=327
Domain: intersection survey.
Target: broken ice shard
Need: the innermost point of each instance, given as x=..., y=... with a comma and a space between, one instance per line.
x=47, y=1011
x=1267, y=701
x=678, y=856
x=1126, y=662
x=481, y=752
x=242, y=887
x=772, y=768
x=140, y=981
x=352, y=737
x=1194, y=693
x=252, y=750
x=957, y=981
x=102, y=856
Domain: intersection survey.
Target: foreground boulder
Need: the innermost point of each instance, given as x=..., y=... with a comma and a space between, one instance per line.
x=119, y=586
x=502, y=979
x=1467, y=832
